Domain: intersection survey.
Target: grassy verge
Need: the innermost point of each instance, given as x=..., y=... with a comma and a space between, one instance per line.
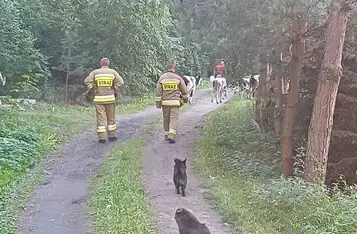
x=206, y=85
x=242, y=170
x=28, y=134
x=25, y=136
x=118, y=199
x=137, y=104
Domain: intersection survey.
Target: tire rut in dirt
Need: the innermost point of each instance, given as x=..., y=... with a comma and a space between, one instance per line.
x=59, y=204
x=158, y=172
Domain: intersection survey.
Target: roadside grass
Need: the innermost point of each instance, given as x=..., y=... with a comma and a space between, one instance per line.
x=137, y=104
x=241, y=168
x=26, y=135
x=118, y=199
x=206, y=85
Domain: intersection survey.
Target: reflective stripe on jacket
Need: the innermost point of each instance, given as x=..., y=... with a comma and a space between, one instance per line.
x=105, y=81
x=170, y=89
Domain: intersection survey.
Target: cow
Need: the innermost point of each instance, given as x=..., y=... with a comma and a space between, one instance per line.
x=2, y=80
x=248, y=84
x=191, y=83
x=225, y=85
x=199, y=81
x=219, y=87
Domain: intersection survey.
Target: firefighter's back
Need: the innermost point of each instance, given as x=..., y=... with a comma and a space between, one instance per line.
x=104, y=79
x=171, y=94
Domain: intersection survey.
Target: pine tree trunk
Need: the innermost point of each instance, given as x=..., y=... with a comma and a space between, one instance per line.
x=298, y=50
x=327, y=86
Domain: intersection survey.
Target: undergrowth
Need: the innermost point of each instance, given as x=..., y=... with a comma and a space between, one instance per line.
x=27, y=134
x=118, y=199
x=242, y=170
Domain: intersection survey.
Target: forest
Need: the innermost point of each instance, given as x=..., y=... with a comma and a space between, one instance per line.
x=304, y=110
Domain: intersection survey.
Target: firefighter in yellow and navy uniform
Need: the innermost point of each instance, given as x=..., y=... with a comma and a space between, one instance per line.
x=171, y=93
x=105, y=82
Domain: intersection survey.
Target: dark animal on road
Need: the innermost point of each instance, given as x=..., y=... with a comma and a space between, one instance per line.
x=188, y=223
x=180, y=176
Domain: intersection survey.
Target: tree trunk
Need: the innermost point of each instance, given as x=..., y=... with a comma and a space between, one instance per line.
x=279, y=105
x=298, y=50
x=261, y=94
x=327, y=86
x=277, y=95
x=258, y=95
x=68, y=70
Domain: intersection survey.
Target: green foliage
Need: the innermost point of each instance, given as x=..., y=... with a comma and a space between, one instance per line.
x=237, y=148
x=118, y=200
x=74, y=35
x=242, y=170
x=19, y=55
x=186, y=56
x=138, y=44
x=21, y=145
x=6, y=176
x=25, y=85
x=242, y=32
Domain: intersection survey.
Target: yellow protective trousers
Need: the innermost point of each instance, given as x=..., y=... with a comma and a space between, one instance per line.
x=170, y=120
x=106, y=120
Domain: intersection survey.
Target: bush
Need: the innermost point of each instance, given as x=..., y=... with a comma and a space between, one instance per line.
x=244, y=170
x=21, y=144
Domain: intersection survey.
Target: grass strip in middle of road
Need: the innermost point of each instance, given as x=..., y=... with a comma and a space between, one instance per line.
x=118, y=199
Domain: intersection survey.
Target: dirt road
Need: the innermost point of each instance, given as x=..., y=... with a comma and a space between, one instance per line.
x=59, y=204
x=158, y=172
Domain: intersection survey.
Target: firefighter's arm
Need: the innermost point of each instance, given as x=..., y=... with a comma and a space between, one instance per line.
x=159, y=92
x=118, y=81
x=89, y=81
x=183, y=90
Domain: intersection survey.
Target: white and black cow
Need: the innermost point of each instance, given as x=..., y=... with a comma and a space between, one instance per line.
x=199, y=81
x=225, y=86
x=2, y=80
x=248, y=85
x=219, y=87
x=191, y=83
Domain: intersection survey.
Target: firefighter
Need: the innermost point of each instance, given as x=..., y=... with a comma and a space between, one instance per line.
x=171, y=93
x=105, y=82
